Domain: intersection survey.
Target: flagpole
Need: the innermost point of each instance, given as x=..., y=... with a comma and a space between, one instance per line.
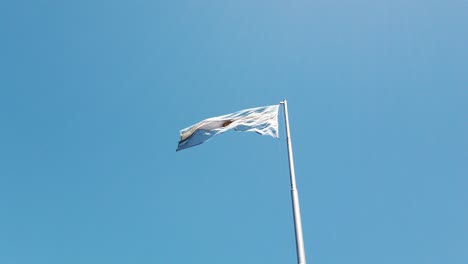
x=301, y=259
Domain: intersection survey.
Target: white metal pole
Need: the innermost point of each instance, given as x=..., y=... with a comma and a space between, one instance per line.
x=301, y=259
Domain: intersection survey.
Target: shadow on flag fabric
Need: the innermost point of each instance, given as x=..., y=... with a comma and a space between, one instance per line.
x=262, y=120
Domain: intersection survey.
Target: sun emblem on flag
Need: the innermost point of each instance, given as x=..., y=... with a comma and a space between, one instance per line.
x=227, y=123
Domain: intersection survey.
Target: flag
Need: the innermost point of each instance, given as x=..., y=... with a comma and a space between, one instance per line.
x=262, y=120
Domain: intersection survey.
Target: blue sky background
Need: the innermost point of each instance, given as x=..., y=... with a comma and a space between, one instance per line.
x=93, y=94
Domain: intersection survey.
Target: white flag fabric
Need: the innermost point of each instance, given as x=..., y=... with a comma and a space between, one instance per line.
x=262, y=120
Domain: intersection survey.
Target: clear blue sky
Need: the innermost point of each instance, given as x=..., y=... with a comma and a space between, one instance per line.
x=93, y=94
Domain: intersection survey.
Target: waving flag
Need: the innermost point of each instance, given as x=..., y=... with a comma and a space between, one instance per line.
x=262, y=120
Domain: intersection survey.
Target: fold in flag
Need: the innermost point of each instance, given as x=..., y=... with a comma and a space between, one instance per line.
x=262, y=120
